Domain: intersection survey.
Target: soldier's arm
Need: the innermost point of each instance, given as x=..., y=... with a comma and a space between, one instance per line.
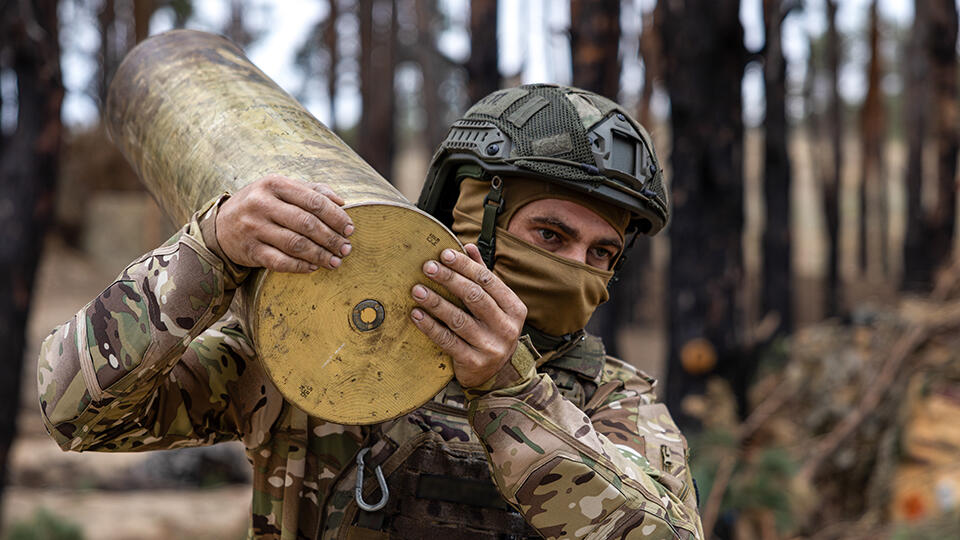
x=618, y=473
x=120, y=376
x=106, y=377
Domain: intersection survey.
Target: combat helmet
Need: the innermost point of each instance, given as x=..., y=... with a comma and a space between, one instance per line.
x=553, y=133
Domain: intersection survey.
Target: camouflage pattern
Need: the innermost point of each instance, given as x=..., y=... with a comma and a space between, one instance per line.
x=159, y=361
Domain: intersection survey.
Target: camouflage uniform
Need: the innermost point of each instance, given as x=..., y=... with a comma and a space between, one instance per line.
x=158, y=361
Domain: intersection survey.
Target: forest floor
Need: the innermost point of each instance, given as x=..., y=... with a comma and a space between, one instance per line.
x=109, y=496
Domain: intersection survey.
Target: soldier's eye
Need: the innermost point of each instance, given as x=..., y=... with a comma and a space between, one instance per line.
x=547, y=234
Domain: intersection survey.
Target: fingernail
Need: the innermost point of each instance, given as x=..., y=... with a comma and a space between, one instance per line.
x=431, y=267
x=345, y=249
x=348, y=230
x=335, y=262
x=419, y=292
x=448, y=255
x=417, y=315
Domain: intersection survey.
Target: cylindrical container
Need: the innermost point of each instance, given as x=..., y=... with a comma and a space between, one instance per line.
x=195, y=119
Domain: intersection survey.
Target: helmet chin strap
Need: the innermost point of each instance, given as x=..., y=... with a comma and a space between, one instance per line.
x=492, y=206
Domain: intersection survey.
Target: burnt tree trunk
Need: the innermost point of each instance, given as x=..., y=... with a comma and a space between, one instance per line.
x=650, y=50
x=330, y=41
x=142, y=11
x=29, y=43
x=873, y=193
x=483, y=71
x=594, y=48
x=832, y=181
x=433, y=71
x=375, y=141
x=777, y=267
x=704, y=63
x=931, y=82
x=595, y=45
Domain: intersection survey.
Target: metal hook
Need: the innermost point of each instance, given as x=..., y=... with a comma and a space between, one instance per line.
x=358, y=492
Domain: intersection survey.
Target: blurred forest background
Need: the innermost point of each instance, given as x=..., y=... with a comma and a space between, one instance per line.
x=801, y=310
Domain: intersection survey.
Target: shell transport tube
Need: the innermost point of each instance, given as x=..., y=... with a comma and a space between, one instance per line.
x=195, y=119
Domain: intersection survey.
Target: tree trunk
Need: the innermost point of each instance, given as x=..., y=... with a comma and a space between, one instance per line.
x=236, y=29
x=483, y=70
x=650, y=50
x=142, y=11
x=375, y=142
x=594, y=47
x=943, y=64
x=873, y=193
x=330, y=39
x=777, y=267
x=433, y=72
x=28, y=171
x=931, y=82
x=831, y=185
x=704, y=63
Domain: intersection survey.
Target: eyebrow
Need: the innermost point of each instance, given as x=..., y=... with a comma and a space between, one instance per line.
x=612, y=241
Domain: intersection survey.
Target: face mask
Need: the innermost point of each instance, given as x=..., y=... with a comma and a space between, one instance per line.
x=560, y=294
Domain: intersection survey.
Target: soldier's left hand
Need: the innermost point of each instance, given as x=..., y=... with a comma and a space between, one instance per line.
x=482, y=339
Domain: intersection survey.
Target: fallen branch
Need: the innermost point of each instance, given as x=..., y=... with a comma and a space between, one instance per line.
x=916, y=336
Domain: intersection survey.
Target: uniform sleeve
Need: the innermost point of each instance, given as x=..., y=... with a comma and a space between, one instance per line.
x=143, y=365
x=618, y=470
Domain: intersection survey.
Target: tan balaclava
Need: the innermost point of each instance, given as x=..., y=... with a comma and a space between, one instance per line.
x=560, y=294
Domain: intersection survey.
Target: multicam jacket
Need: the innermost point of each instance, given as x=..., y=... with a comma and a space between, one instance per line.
x=158, y=361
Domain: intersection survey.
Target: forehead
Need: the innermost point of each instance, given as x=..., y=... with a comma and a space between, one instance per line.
x=573, y=215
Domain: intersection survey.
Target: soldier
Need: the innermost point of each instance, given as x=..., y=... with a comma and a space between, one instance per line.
x=547, y=186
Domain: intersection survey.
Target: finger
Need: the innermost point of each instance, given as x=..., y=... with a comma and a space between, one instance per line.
x=474, y=253
x=478, y=273
x=472, y=294
x=272, y=258
x=324, y=189
x=308, y=225
x=297, y=246
x=457, y=320
x=300, y=194
x=441, y=335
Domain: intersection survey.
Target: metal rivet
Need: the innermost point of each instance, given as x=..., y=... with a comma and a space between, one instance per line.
x=621, y=117
x=493, y=149
x=653, y=170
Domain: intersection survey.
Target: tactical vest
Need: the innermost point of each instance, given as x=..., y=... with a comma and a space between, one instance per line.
x=436, y=473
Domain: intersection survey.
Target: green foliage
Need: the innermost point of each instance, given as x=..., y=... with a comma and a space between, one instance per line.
x=761, y=478
x=946, y=526
x=44, y=525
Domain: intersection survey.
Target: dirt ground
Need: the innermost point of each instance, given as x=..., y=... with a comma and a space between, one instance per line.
x=110, y=496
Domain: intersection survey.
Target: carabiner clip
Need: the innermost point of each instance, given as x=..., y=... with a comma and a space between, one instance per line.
x=358, y=492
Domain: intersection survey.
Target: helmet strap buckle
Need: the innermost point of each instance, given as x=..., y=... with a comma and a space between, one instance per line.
x=492, y=206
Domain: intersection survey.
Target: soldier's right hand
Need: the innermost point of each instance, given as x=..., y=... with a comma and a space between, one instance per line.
x=284, y=225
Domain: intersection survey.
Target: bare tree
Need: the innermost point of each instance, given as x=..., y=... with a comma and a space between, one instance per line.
x=378, y=24
x=704, y=62
x=483, y=71
x=873, y=193
x=931, y=82
x=831, y=183
x=777, y=267
x=595, y=45
x=29, y=47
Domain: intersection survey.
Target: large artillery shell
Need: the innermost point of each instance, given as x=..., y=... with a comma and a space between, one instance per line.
x=195, y=118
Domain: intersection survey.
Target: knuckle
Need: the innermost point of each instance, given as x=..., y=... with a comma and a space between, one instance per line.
x=485, y=277
x=307, y=223
x=297, y=244
x=319, y=204
x=446, y=339
x=458, y=321
x=474, y=294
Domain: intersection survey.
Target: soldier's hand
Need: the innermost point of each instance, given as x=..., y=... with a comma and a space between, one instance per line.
x=285, y=225
x=482, y=339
